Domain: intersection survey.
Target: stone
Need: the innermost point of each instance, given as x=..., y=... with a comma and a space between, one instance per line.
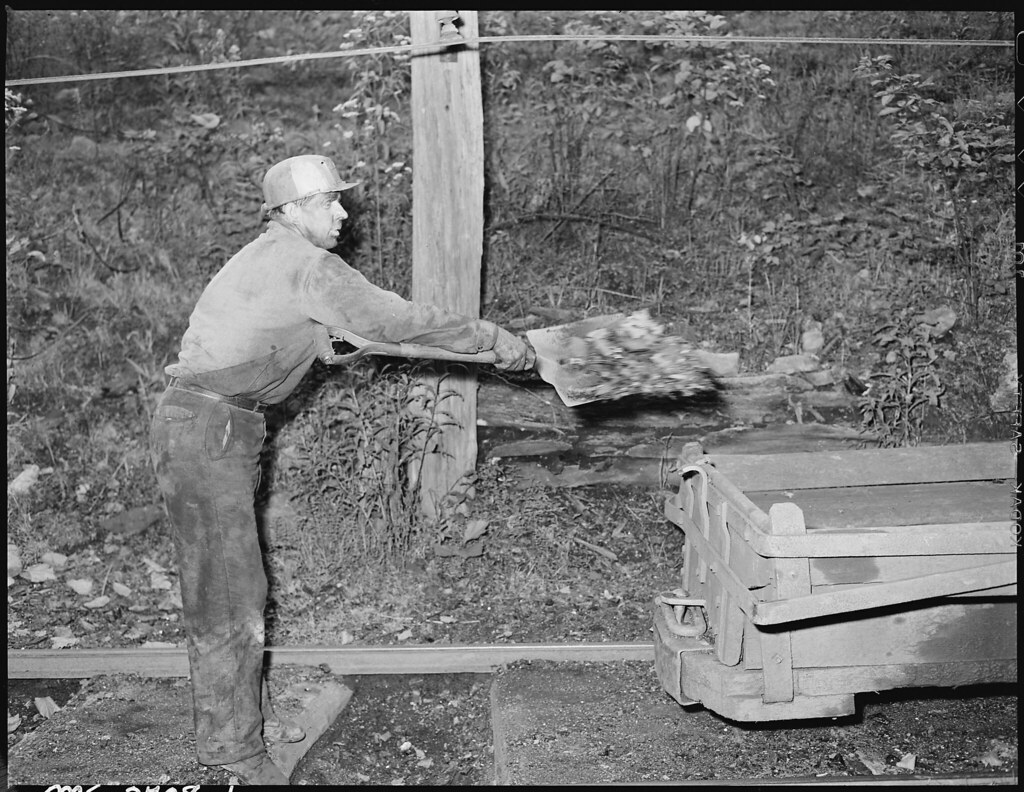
x=721, y=364
x=132, y=521
x=819, y=379
x=794, y=364
x=812, y=339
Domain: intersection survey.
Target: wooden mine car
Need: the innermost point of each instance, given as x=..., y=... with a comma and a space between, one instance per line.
x=810, y=577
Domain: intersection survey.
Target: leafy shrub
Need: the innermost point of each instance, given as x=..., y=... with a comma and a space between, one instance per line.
x=907, y=383
x=352, y=458
x=968, y=148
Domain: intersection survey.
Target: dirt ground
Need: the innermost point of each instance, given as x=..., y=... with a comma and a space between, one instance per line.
x=531, y=723
x=578, y=565
x=433, y=729
x=611, y=723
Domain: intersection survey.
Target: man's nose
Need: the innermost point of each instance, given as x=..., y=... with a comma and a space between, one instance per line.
x=342, y=213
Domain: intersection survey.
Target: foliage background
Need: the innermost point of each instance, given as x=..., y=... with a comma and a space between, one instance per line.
x=747, y=191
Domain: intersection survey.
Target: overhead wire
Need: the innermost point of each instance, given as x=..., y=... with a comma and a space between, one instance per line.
x=432, y=48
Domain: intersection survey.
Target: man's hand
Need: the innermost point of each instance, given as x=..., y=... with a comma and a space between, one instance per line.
x=513, y=353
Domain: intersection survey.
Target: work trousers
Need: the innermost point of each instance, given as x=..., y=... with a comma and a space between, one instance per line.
x=206, y=455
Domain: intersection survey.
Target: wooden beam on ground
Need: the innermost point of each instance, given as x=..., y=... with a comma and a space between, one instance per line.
x=322, y=704
x=447, y=233
x=82, y=663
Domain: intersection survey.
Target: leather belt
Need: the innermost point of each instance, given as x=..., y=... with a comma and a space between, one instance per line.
x=235, y=401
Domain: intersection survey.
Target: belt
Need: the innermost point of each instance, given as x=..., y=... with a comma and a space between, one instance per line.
x=235, y=401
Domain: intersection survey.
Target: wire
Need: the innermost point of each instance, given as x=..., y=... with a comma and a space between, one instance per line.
x=425, y=49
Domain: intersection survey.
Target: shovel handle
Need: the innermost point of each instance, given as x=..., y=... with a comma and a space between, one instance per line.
x=418, y=351
x=409, y=351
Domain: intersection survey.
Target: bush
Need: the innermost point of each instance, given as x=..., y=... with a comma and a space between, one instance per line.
x=351, y=458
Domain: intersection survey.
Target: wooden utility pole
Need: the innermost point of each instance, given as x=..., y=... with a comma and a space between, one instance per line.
x=447, y=227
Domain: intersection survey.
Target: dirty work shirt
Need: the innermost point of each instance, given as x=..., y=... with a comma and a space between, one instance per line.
x=252, y=331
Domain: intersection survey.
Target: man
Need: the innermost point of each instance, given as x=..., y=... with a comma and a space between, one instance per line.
x=251, y=338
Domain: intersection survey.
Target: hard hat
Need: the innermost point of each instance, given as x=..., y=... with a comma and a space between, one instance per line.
x=300, y=177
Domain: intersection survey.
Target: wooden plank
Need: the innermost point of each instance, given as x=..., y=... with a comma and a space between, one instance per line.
x=865, y=467
x=322, y=703
x=454, y=659
x=904, y=504
x=754, y=570
x=792, y=580
x=728, y=617
x=885, y=676
x=685, y=500
x=779, y=438
x=645, y=464
x=701, y=576
x=946, y=632
x=707, y=556
x=897, y=592
x=857, y=679
x=447, y=233
x=718, y=688
x=877, y=569
x=668, y=648
x=1009, y=590
x=910, y=540
x=536, y=405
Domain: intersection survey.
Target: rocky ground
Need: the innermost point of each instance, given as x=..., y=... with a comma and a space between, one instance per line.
x=553, y=565
x=545, y=565
x=531, y=723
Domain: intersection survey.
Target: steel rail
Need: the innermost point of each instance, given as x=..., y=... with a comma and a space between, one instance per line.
x=342, y=660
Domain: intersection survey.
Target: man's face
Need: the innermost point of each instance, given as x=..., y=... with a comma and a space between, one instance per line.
x=319, y=219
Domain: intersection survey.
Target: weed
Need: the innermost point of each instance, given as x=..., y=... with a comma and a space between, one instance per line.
x=351, y=458
x=906, y=386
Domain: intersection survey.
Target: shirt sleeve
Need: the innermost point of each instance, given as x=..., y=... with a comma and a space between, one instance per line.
x=336, y=295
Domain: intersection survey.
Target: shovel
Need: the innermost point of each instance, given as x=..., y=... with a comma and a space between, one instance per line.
x=326, y=353
x=562, y=342
x=554, y=346
x=612, y=356
x=547, y=364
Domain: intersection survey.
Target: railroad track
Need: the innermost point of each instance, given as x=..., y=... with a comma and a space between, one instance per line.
x=341, y=660
x=420, y=660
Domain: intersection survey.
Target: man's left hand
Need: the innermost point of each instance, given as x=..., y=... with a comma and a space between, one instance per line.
x=513, y=353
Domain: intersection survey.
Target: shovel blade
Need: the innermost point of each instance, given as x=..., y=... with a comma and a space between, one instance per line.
x=556, y=346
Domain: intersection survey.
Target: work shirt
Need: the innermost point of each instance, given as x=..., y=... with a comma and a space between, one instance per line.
x=252, y=333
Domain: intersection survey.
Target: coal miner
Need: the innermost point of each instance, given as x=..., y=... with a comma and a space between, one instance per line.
x=251, y=338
